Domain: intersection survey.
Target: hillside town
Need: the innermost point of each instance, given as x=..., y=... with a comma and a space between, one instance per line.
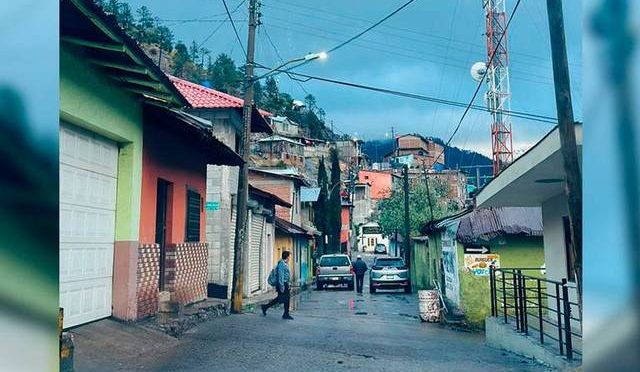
x=179, y=201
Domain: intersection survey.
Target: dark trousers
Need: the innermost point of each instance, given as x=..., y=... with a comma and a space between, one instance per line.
x=284, y=297
x=359, y=282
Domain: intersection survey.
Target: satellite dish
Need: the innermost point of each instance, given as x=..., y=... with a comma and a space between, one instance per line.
x=478, y=70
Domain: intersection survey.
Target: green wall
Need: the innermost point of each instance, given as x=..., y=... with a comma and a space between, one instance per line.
x=90, y=100
x=425, y=263
x=475, y=292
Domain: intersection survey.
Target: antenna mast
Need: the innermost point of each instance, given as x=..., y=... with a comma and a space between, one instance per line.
x=498, y=89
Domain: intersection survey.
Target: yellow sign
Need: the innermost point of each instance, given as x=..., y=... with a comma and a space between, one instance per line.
x=479, y=264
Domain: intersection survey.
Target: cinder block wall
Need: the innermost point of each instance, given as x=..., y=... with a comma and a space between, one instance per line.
x=222, y=187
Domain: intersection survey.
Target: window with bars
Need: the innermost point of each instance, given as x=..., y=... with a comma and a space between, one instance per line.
x=193, y=216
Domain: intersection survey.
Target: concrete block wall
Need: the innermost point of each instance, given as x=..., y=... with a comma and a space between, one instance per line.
x=147, y=283
x=222, y=186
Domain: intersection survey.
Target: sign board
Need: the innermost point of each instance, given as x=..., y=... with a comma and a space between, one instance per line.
x=450, y=263
x=479, y=264
x=212, y=205
x=477, y=250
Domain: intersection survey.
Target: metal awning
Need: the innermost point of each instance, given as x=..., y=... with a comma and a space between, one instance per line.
x=195, y=130
x=86, y=27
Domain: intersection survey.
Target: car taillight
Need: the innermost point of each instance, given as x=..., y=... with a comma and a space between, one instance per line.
x=352, y=271
x=317, y=270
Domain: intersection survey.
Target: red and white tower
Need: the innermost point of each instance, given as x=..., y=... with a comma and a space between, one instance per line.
x=498, y=89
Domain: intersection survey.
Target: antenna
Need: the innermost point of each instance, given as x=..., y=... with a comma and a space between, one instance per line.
x=498, y=89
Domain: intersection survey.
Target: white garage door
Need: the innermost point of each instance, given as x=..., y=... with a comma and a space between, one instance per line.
x=88, y=181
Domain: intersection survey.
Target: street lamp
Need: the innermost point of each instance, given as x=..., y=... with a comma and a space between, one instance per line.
x=307, y=58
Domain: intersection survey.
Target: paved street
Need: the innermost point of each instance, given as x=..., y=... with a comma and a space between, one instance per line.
x=333, y=330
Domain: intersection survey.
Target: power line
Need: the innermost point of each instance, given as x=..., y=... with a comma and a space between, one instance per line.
x=221, y=24
x=315, y=12
x=516, y=114
x=344, y=43
x=235, y=30
x=266, y=33
x=475, y=94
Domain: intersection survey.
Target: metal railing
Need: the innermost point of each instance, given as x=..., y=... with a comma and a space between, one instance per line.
x=539, y=307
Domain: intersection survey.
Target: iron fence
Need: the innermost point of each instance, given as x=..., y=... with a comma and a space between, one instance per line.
x=539, y=307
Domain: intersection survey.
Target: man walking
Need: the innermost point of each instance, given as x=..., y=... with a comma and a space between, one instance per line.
x=360, y=267
x=282, y=286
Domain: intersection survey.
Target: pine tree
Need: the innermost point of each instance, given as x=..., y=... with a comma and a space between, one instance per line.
x=320, y=208
x=225, y=76
x=335, y=204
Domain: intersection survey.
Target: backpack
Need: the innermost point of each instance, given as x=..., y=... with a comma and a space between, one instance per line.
x=273, y=277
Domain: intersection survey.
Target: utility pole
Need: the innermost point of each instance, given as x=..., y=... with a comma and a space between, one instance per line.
x=407, y=228
x=426, y=183
x=566, y=128
x=243, y=177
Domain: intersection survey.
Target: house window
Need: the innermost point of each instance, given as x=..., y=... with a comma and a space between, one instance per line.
x=568, y=251
x=193, y=216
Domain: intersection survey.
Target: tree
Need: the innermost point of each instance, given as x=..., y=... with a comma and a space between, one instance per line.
x=320, y=208
x=391, y=216
x=224, y=75
x=334, y=209
x=180, y=59
x=146, y=26
x=164, y=38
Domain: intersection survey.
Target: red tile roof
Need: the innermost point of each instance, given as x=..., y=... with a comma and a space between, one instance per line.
x=203, y=97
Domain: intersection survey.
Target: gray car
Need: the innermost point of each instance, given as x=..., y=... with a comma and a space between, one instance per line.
x=334, y=269
x=389, y=273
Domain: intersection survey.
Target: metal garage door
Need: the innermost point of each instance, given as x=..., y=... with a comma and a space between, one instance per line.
x=255, y=251
x=88, y=181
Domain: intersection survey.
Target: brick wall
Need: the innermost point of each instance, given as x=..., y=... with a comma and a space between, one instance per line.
x=148, y=275
x=282, y=188
x=186, y=271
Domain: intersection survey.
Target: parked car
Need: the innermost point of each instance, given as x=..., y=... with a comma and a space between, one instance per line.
x=380, y=249
x=389, y=273
x=334, y=269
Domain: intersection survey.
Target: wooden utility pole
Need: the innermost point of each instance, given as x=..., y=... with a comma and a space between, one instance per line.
x=243, y=177
x=407, y=227
x=566, y=128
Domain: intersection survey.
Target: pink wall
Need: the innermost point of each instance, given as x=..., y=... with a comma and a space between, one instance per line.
x=380, y=183
x=176, y=158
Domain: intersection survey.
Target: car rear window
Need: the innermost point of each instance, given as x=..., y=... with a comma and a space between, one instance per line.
x=335, y=261
x=389, y=262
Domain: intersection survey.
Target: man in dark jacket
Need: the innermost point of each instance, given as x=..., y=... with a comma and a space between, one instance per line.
x=359, y=267
x=283, y=287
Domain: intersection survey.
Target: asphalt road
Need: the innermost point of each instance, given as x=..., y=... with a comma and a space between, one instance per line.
x=335, y=330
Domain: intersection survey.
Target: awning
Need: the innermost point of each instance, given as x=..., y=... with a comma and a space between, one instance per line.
x=268, y=196
x=289, y=228
x=534, y=177
x=195, y=129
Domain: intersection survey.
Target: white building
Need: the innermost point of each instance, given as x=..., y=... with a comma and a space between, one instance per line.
x=370, y=234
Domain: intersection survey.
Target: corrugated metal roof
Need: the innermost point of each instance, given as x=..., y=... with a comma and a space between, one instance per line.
x=309, y=194
x=489, y=223
x=289, y=227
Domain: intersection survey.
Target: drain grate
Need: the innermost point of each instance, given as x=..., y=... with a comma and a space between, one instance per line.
x=361, y=313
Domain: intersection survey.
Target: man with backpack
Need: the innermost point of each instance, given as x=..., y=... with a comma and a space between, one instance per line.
x=279, y=278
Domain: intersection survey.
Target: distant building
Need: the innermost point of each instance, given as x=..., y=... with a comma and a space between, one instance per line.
x=279, y=150
x=350, y=152
x=284, y=126
x=362, y=208
x=417, y=152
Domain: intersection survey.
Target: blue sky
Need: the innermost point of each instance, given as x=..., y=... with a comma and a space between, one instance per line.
x=426, y=49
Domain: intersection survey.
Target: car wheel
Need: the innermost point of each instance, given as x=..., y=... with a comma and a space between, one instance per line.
x=407, y=289
x=319, y=285
x=350, y=286
x=372, y=289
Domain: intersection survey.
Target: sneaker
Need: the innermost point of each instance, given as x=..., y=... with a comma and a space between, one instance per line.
x=287, y=317
x=264, y=310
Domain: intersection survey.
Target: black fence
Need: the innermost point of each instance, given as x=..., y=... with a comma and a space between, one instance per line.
x=539, y=307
